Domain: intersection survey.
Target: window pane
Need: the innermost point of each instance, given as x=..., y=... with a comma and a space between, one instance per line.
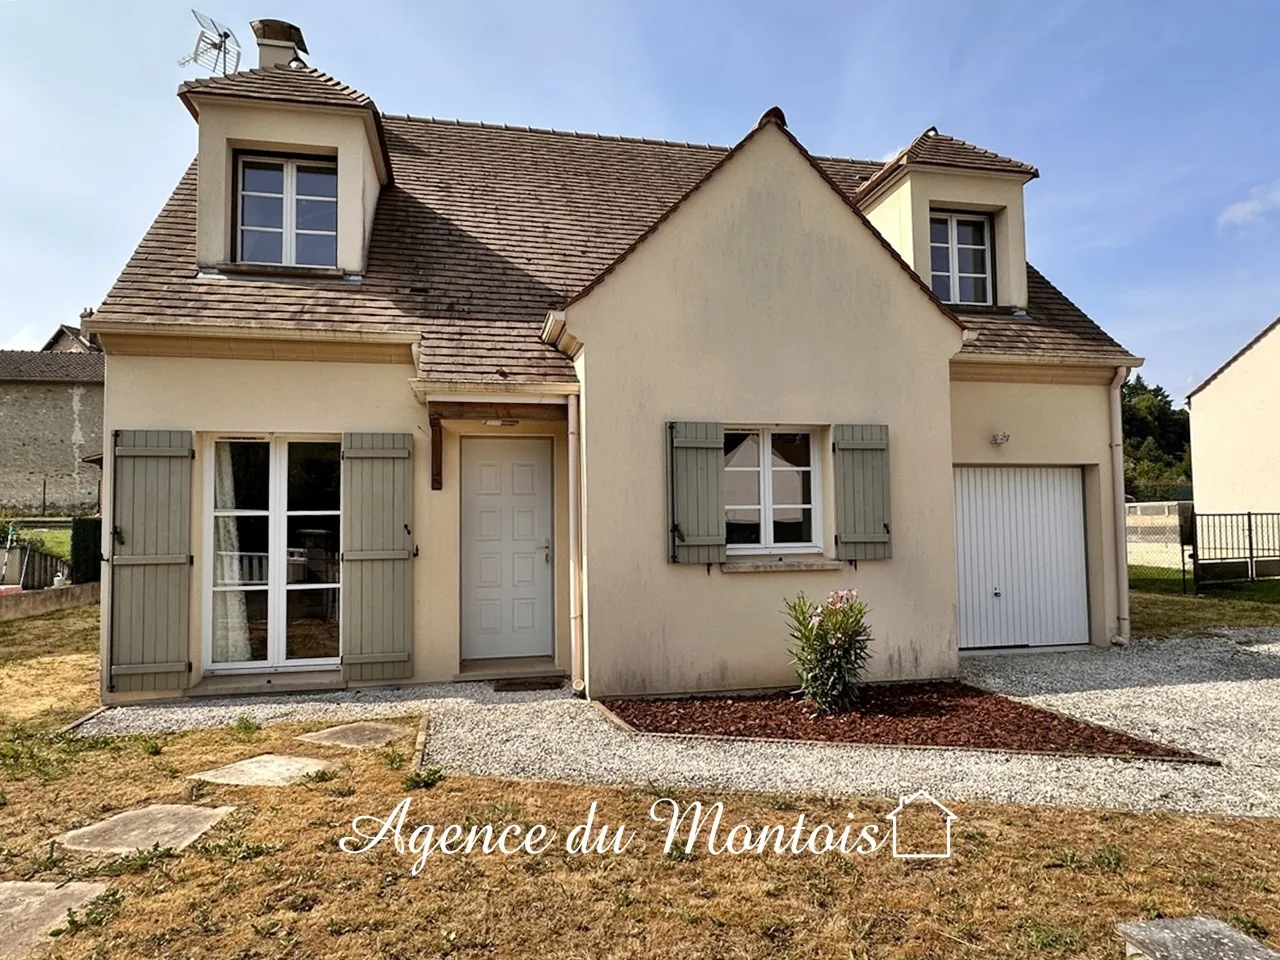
x=259, y=246
x=742, y=449
x=793, y=525
x=317, y=215
x=315, y=472
x=318, y=251
x=262, y=211
x=311, y=624
x=972, y=232
x=973, y=290
x=239, y=551
x=972, y=260
x=317, y=182
x=239, y=625
x=942, y=287
x=312, y=549
x=742, y=487
x=241, y=475
x=940, y=259
x=938, y=231
x=742, y=526
x=790, y=450
x=792, y=486
x=263, y=177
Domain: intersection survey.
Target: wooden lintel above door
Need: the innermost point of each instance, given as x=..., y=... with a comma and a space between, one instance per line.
x=475, y=410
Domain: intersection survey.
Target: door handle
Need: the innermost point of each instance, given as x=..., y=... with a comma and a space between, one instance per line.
x=546, y=550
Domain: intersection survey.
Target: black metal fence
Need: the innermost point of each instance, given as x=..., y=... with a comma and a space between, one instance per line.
x=1172, y=545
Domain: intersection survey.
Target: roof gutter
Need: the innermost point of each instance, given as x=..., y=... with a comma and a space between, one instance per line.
x=262, y=330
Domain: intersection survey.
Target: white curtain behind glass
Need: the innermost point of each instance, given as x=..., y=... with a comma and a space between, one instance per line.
x=231, y=636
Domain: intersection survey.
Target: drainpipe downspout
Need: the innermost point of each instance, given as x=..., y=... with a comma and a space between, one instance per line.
x=575, y=553
x=1117, y=484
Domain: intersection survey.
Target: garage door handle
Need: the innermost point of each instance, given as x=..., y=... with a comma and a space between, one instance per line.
x=996, y=592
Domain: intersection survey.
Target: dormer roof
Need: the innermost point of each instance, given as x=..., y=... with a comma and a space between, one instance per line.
x=932, y=148
x=280, y=83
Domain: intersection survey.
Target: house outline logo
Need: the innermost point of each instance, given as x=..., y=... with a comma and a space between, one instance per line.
x=904, y=802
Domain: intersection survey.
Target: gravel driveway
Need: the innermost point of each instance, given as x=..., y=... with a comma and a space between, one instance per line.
x=1218, y=696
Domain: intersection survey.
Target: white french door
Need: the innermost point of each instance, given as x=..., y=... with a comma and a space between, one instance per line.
x=272, y=551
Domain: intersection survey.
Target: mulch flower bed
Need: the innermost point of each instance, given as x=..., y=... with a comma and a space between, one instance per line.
x=936, y=714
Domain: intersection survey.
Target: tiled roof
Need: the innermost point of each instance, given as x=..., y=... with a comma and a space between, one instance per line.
x=1053, y=325
x=485, y=229
x=938, y=149
x=63, y=367
x=281, y=83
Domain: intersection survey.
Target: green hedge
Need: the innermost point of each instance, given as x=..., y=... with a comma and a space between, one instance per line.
x=86, y=549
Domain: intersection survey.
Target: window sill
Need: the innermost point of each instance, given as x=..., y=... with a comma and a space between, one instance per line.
x=779, y=564
x=279, y=270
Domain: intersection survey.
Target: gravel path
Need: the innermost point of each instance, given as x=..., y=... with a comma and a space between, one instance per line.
x=1218, y=696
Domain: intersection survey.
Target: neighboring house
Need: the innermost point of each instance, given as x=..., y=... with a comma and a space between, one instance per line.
x=68, y=339
x=50, y=420
x=402, y=399
x=1234, y=413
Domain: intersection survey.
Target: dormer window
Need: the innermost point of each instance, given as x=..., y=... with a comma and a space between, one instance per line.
x=287, y=211
x=960, y=258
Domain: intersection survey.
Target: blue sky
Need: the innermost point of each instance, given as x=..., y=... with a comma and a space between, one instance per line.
x=1153, y=123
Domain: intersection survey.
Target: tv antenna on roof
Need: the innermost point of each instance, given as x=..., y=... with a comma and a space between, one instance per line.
x=216, y=46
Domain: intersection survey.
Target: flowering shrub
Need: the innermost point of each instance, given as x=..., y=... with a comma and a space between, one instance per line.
x=831, y=648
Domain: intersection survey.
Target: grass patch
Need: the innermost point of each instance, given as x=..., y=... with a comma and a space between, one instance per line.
x=98, y=912
x=1248, y=925
x=423, y=779
x=244, y=728
x=1169, y=615
x=52, y=541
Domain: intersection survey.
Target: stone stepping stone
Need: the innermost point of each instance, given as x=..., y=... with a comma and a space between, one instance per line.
x=356, y=736
x=265, y=770
x=29, y=912
x=172, y=825
x=1190, y=938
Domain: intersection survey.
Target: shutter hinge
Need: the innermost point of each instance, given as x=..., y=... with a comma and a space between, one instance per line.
x=189, y=668
x=193, y=453
x=675, y=528
x=191, y=560
x=886, y=528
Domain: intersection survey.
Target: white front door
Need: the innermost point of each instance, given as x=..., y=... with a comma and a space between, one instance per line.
x=1020, y=557
x=506, y=548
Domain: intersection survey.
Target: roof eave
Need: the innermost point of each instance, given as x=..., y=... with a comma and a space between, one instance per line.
x=1235, y=356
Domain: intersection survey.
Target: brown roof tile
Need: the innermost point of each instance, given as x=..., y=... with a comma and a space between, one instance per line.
x=280, y=83
x=63, y=367
x=938, y=149
x=484, y=230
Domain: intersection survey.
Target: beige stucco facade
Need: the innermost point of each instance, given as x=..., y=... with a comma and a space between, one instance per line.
x=1234, y=419
x=299, y=399
x=1049, y=424
x=812, y=327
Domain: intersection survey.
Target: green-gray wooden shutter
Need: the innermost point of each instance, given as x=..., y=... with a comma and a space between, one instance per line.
x=150, y=537
x=695, y=493
x=861, y=453
x=377, y=552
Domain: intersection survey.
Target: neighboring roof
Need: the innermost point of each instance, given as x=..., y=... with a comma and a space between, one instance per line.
x=88, y=341
x=279, y=83
x=932, y=148
x=1236, y=356
x=1052, y=325
x=40, y=365
x=485, y=229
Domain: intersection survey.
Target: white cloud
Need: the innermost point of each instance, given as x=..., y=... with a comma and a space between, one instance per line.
x=26, y=337
x=1262, y=202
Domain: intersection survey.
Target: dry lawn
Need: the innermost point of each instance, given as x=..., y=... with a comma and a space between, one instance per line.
x=271, y=882
x=48, y=668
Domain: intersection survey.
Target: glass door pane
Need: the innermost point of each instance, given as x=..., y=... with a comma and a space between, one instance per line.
x=312, y=545
x=241, y=550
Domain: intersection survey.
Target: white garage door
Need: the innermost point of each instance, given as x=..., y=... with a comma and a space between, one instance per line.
x=1020, y=556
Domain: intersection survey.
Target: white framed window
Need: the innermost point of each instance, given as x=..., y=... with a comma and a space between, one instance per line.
x=287, y=211
x=273, y=562
x=772, y=490
x=960, y=258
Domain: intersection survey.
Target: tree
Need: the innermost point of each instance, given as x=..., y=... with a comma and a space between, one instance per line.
x=1157, y=443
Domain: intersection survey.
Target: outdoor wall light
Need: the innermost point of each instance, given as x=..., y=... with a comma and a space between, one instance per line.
x=1000, y=439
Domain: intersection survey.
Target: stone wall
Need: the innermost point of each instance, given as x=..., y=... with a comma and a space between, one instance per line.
x=46, y=429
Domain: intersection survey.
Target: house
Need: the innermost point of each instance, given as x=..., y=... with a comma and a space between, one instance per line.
x=1234, y=407
x=50, y=420
x=400, y=399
